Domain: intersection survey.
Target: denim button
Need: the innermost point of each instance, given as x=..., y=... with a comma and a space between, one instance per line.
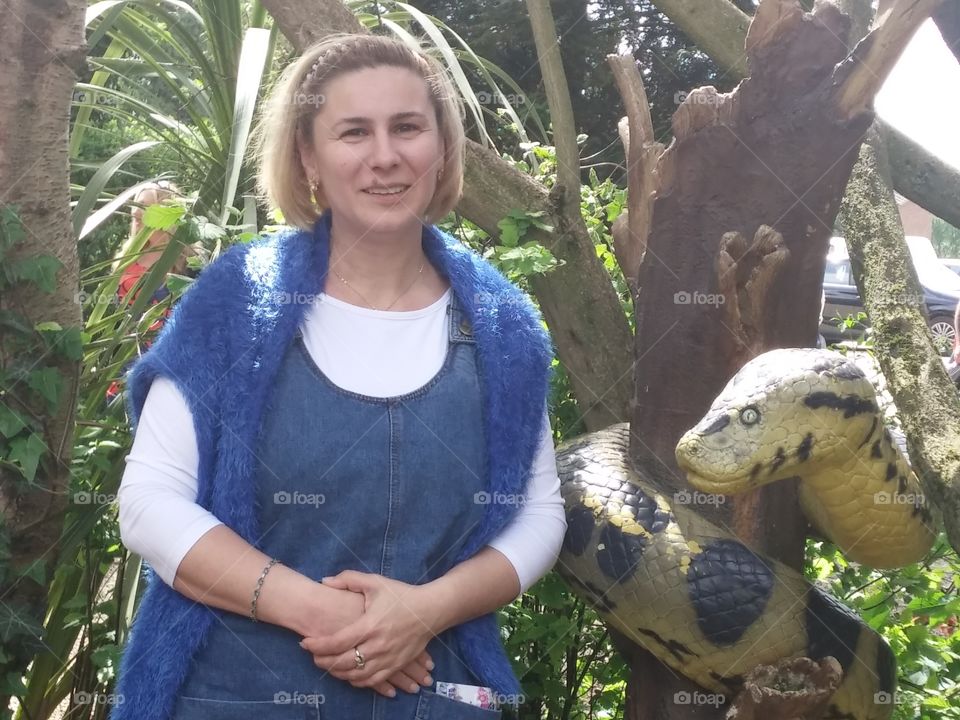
x=465, y=327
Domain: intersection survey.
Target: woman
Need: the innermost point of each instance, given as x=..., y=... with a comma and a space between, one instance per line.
x=338, y=478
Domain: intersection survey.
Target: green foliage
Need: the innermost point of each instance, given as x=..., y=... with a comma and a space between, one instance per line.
x=945, y=239
x=916, y=608
x=31, y=388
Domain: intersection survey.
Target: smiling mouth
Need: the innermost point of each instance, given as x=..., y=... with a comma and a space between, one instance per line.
x=387, y=191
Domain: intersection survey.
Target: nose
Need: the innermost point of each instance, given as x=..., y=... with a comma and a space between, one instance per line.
x=383, y=151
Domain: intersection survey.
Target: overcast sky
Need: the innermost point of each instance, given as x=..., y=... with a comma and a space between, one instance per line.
x=921, y=98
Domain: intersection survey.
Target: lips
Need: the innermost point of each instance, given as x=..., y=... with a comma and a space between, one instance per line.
x=386, y=190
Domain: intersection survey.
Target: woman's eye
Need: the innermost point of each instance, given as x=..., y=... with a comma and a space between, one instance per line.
x=407, y=127
x=749, y=416
x=355, y=132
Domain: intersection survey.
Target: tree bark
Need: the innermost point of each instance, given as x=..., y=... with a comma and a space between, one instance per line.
x=578, y=301
x=927, y=403
x=42, y=51
x=719, y=28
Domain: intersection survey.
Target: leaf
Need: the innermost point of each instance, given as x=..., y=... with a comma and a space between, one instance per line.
x=36, y=571
x=17, y=623
x=48, y=382
x=509, y=232
x=26, y=452
x=11, y=229
x=96, y=184
x=70, y=343
x=162, y=217
x=11, y=422
x=40, y=270
x=47, y=326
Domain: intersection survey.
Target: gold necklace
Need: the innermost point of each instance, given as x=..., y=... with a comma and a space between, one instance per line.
x=344, y=281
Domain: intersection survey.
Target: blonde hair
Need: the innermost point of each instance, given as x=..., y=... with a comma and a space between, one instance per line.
x=281, y=181
x=150, y=194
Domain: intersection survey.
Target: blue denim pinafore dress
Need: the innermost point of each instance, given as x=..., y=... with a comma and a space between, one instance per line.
x=347, y=481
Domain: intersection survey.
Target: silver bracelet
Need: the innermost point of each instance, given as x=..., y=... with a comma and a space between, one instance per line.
x=256, y=592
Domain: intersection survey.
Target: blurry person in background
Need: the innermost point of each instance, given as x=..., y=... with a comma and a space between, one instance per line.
x=127, y=291
x=152, y=194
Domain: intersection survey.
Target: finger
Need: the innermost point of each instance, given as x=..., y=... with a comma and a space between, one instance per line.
x=334, y=664
x=418, y=672
x=347, y=580
x=340, y=642
x=386, y=689
x=425, y=660
x=403, y=681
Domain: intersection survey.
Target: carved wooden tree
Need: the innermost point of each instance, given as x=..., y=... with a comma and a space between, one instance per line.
x=746, y=200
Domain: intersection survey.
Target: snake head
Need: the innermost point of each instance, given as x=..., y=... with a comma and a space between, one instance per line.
x=783, y=413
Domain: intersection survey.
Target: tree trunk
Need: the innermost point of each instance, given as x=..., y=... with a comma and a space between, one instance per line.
x=42, y=52
x=926, y=401
x=578, y=301
x=719, y=28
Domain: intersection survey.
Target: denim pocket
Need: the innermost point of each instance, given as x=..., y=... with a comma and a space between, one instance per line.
x=437, y=707
x=285, y=708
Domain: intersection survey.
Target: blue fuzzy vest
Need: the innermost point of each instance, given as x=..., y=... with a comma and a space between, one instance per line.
x=223, y=345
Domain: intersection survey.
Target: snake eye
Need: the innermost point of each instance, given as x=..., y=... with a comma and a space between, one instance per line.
x=750, y=415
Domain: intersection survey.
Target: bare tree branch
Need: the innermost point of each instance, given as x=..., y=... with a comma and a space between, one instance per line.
x=631, y=229
x=879, y=51
x=557, y=91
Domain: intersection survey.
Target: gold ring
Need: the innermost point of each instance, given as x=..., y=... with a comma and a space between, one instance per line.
x=358, y=657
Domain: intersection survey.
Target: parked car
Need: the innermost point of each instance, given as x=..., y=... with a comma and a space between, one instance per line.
x=941, y=293
x=953, y=264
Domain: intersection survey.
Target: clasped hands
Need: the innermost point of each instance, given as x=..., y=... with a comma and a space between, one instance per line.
x=391, y=634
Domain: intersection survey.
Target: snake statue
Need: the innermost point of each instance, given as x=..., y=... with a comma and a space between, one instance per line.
x=700, y=600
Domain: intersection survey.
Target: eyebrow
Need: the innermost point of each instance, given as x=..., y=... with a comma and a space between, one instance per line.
x=397, y=116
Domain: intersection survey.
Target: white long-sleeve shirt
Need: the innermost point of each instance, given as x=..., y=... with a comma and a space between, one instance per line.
x=371, y=352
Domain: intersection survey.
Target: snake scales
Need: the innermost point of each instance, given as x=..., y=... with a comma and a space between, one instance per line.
x=700, y=600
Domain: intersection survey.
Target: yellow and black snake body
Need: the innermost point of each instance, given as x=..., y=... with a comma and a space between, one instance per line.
x=702, y=601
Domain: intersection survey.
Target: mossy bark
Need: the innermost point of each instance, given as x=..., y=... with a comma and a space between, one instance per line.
x=927, y=402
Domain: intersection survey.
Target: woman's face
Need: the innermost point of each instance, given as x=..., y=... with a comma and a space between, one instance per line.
x=376, y=150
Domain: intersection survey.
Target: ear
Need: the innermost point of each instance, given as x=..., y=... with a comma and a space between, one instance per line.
x=307, y=158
